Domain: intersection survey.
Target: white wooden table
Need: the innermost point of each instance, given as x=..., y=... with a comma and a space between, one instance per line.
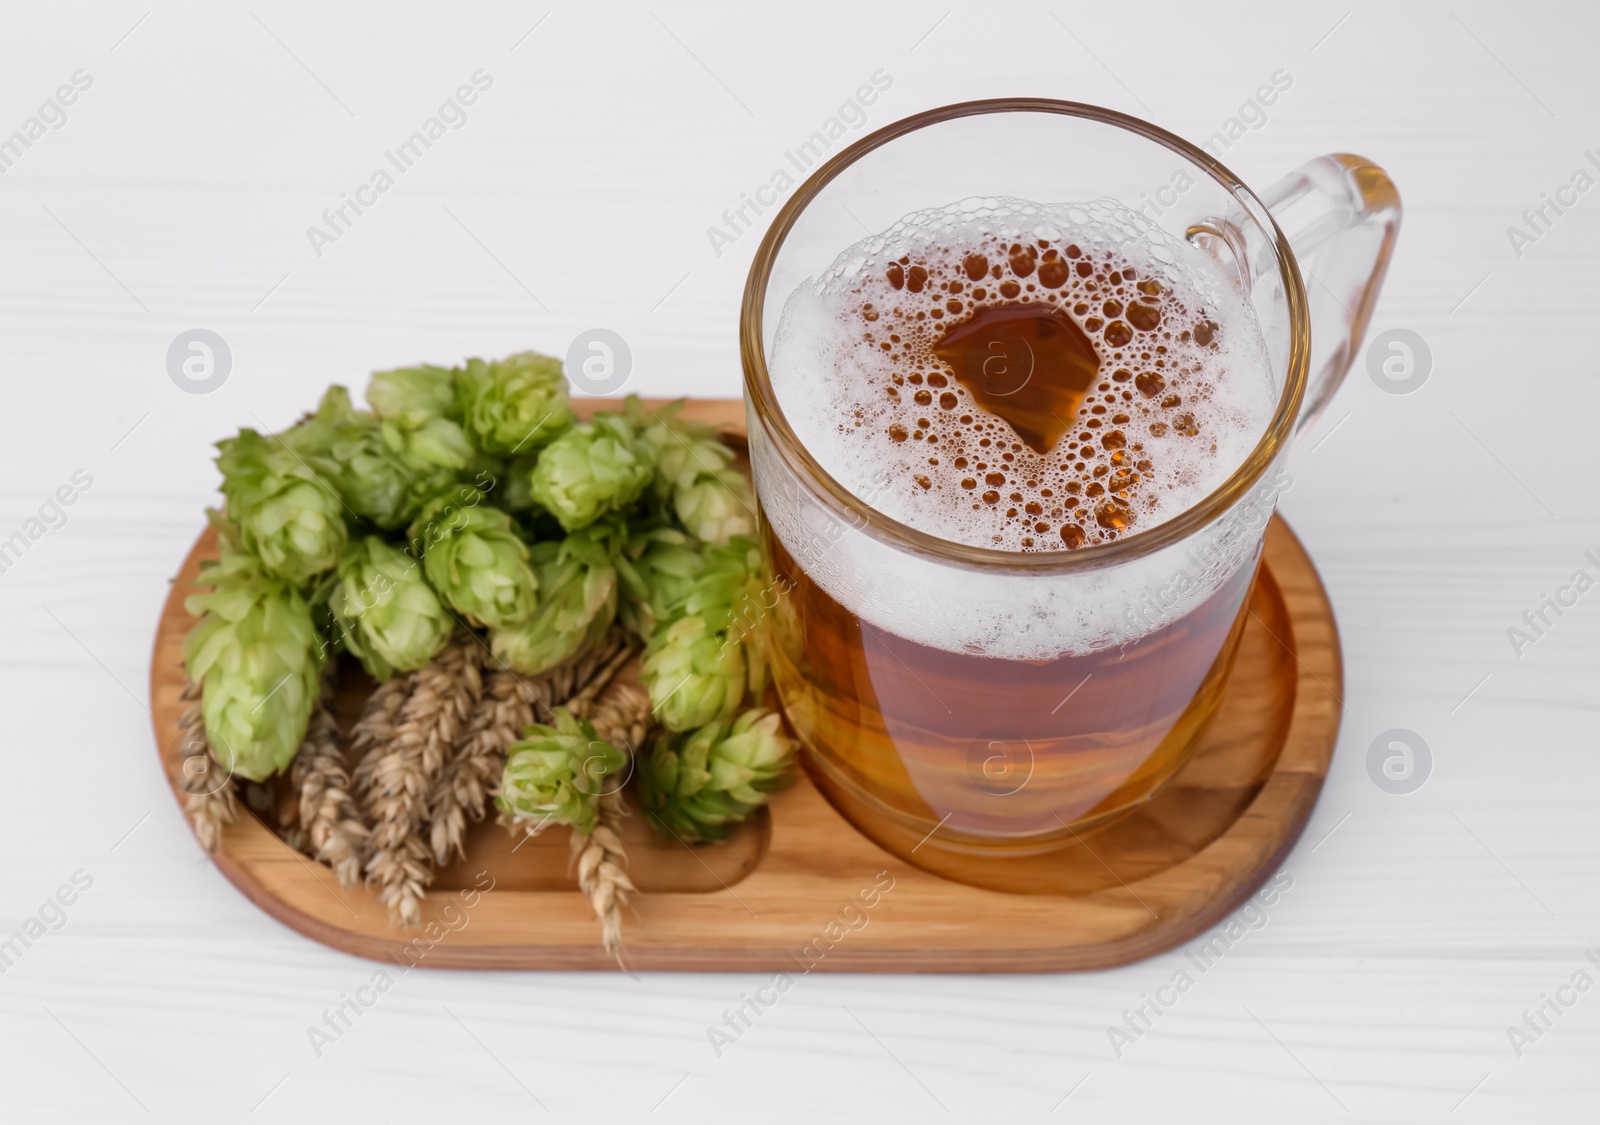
x=177, y=194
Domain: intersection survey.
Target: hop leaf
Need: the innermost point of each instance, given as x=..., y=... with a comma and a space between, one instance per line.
x=286, y=515
x=696, y=785
x=556, y=774
x=412, y=395
x=515, y=404
x=474, y=560
x=592, y=469
x=347, y=448
x=387, y=614
x=577, y=602
x=696, y=474
x=257, y=655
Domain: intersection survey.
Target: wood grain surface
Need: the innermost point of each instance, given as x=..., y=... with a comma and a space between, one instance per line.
x=1152, y=880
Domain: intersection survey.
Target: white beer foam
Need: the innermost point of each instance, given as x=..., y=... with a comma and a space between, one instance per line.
x=819, y=369
x=830, y=380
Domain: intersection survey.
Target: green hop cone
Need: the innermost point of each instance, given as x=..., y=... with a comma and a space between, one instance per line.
x=715, y=506
x=416, y=408
x=696, y=785
x=474, y=559
x=387, y=614
x=657, y=568
x=556, y=774
x=591, y=470
x=706, y=649
x=577, y=602
x=694, y=674
x=287, y=515
x=733, y=596
x=515, y=404
x=257, y=654
x=707, y=492
x=696, y=474
x=429, y=445
x=412, y=395
x=725, y=591
x=347, y=448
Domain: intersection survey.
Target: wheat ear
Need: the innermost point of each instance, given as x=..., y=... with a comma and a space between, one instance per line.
x=621, y=714
x=602, y=864
x=374, y=730
x=431, y=720
x=208, y=797
x=462, y=790
x=330, y=824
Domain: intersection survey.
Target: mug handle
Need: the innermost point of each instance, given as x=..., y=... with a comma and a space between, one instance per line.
x=1341, y=214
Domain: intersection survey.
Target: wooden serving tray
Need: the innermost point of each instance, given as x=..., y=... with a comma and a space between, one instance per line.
x=798, y=888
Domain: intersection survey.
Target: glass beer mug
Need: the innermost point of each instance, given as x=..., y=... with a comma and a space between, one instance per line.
x=994, y=701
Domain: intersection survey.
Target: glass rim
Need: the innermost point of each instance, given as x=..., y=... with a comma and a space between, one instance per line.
x=762, y=398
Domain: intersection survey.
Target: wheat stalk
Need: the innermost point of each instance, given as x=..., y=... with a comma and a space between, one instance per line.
x=330, y=827
x=209, y=805
x=505, y=709
x=397, y=778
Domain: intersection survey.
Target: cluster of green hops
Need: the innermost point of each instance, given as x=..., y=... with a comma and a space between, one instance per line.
x=472, y=497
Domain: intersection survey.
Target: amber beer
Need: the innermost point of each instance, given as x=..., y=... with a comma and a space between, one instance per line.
x=996, y=754
x=1009, y=382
